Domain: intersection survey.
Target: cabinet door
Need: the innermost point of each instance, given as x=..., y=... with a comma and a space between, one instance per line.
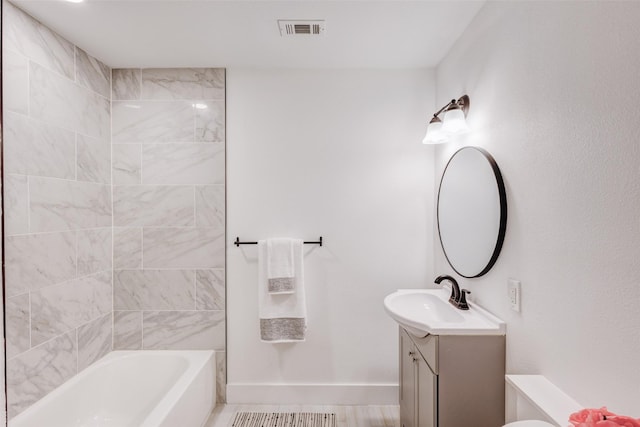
x=426, y=395
x=407, y=381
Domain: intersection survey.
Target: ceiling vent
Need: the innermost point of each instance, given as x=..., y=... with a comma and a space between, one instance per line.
x=298, y=27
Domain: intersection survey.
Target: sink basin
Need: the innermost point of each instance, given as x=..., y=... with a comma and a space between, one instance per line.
x=428, y=311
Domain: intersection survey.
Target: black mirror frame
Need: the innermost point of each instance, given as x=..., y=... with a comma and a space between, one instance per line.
x=503, y=211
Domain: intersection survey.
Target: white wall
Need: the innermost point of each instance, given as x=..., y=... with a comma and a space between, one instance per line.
x=554, y=97
x=335, y=153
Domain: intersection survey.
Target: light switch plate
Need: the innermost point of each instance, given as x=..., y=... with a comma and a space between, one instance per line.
x=513, y=293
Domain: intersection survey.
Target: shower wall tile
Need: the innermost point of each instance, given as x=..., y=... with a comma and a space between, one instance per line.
x=38, y=260
x=210, y=121
x=16, y=204
x=15, y=88
x=51, y=151
x=210, y=290
x=210, y=206
x=22, y=33
x=183, y=83
x=59, y=308
x=92, y=73
x=66, y=205
x=169, y=210
x=177, y=164
x=17, y=325
x=183, y=248
x=127, y=330
x=127, y=163
x=127, y=248
x=125, y=84
x=221, y=375
x=153, y=206
x=58, y=208
x=94, y=340
x=153, y=121
x=184, y=330
x=57, y=100
x=93, y=160
x=154, y=290
x=33, y=374
x=35, y=148
x=94, y=250
x=17, y=136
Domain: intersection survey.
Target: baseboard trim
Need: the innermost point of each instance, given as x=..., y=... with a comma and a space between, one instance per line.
x=313, y=394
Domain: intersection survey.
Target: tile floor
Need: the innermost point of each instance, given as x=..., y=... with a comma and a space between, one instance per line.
x=347, y=416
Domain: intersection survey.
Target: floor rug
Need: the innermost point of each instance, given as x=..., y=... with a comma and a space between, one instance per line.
x=284, y=419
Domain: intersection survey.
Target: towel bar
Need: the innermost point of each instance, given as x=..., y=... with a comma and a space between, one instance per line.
x=238, y=242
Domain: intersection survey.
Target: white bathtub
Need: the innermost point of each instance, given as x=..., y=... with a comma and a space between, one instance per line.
x=132, y=389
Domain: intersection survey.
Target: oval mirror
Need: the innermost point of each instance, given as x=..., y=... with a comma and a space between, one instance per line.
x=472, y=211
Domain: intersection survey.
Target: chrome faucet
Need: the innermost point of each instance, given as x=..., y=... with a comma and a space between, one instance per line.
x=458, y=298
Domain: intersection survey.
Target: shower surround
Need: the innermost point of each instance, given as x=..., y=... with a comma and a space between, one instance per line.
x=57, y=192
x=102, y=253
x=169, y=210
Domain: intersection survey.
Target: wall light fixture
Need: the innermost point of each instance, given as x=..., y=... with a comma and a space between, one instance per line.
x=453, y=122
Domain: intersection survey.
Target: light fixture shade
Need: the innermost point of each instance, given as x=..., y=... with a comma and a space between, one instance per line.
x=435, y=135
x=454, y=121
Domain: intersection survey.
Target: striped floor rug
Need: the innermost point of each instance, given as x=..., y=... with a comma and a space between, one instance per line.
x=283, y=419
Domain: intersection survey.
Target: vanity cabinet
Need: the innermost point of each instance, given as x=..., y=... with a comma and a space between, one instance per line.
x=452, y=380
x=418, y=387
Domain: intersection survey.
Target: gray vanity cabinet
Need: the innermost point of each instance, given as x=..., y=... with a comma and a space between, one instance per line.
x=407, y=381
x=418, y=386
x=426, y=396
x=451, y=381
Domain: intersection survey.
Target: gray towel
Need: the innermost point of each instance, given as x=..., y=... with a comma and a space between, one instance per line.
x=287, y=328
x=281, y=285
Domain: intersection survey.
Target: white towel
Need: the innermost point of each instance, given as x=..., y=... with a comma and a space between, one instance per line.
x=280, y=266
x=283, y=317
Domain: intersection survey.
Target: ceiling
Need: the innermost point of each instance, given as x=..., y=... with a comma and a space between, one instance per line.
x=244, y=33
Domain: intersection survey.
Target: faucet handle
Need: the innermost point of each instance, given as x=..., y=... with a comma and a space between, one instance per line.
x=455, y=294
x=462, y=303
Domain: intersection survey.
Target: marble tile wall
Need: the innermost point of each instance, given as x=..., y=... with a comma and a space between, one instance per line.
x=168, y=145
x=58, y=208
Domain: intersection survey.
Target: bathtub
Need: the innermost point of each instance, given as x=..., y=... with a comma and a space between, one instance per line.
x=131, y=389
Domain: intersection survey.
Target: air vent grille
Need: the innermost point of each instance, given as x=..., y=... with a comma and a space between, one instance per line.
x=289, y=28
